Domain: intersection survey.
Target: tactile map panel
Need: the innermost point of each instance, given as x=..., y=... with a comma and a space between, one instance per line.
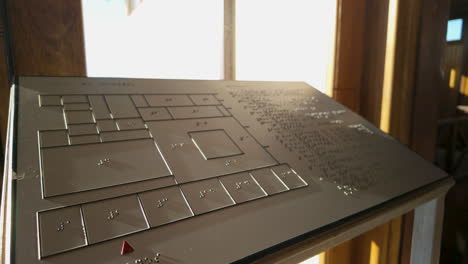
x=191, y=171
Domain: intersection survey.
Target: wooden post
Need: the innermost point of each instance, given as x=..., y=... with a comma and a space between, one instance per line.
x=229, y=39
x=427, y=232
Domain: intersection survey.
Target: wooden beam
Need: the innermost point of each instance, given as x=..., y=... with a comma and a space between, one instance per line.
x=229, y=39
x=47, y=37
x=374, y=60
x=349, y=52
x=427, y=232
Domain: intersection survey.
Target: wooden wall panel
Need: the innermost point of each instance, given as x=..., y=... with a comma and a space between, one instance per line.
x=374, y=64
x=452, y=69
x=406, y=44
x=47, y=37
x=429, y=76
x=349, y=55
x=4, y=80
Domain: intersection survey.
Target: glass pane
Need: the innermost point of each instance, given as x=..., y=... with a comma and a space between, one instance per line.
x=454, y=29
x=287, y=40
x=177, y=39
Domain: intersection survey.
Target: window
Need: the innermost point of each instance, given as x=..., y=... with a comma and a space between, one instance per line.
x=284, y=40
x=455, y=29
x=176, y=39
x=276, y=40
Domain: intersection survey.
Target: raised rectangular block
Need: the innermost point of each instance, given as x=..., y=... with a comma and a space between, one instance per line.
x=139, y=100
x=130, y=124
x=207, y=195
x=93, y=166
x=186, y=161
x=76, y=106
x=99, y=106
x=50, y=100
x=204, y=99
x=154, y=113
x=112, y=218
x=168, y=100
x=74, y=99
x=106, y=125
x=87, y=139
x=186, y=112
x=242, y=187
x=124, y=135
x=269, y=181
x=165, y=205
x=121, y=106
x=289, y=176
x=53, y=138
x=79, y=117
x=214, y=144
x=84, y=129
x=61, y=230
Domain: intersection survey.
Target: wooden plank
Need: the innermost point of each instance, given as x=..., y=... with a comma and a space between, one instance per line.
x=334, y=236
x=229, y=39
x=47, y=37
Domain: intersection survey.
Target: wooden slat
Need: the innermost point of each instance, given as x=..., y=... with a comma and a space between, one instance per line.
x=47, y=37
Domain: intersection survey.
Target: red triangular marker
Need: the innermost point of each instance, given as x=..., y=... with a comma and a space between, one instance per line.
x=126, y=248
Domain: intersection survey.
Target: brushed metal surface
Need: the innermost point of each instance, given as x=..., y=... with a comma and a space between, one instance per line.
x=214, y=144
x=187, y=162
x=204, y=99
x=316, y=161
x=121, y=106
x=206, y=195
x=242, y=187
x=61, y=230
x=185, y=112
x=154, y=113
x=53, y=138
x=86, y=167
x=99, y=107
x=168, y=100
x=165, y=206
x=113, y=218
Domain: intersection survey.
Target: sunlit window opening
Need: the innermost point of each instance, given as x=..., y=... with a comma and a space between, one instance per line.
x=455, y=29
x=177, y=39
x=276, y=40
x=284, y=40
x=314, y=260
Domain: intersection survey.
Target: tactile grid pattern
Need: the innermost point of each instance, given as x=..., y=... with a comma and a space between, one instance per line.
x=91, y=119
x=105, y=118
x=118, y=214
